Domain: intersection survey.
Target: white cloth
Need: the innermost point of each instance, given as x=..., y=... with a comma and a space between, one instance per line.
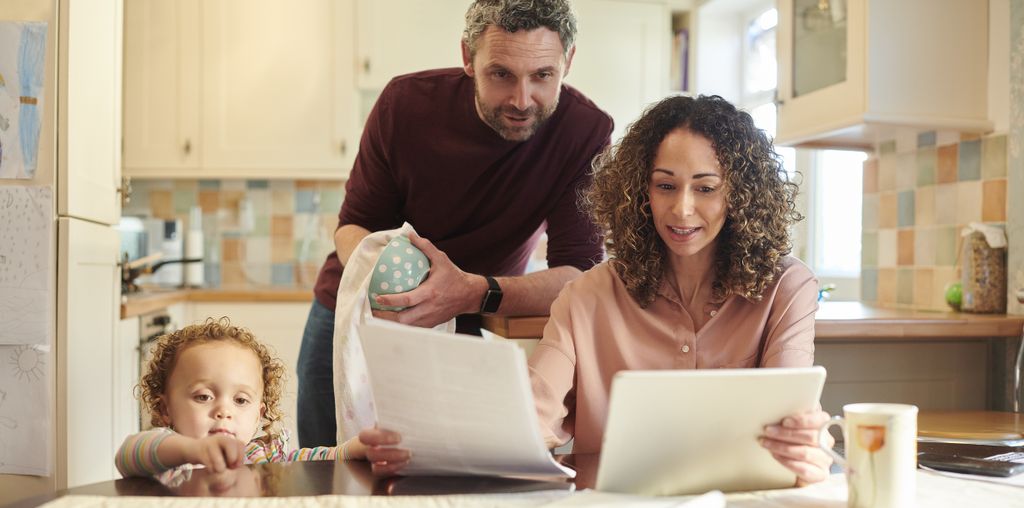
x=353, y=397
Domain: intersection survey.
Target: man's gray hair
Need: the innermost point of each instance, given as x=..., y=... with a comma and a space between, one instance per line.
x=515, y=15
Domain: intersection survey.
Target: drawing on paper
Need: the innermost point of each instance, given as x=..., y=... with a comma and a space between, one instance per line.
x=25, y=420
x=26, y=227
x=22, y=71
x=27, y=363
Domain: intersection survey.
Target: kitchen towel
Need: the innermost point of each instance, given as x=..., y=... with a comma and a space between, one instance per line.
x=353, y=398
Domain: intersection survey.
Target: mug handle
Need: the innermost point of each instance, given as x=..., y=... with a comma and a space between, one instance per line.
x=823, y=439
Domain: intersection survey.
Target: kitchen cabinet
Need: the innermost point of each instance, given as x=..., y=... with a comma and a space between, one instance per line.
x=854, y=72
x=396, y=37
x=239, y=89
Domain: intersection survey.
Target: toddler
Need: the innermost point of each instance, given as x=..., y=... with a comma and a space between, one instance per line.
x=212, y=391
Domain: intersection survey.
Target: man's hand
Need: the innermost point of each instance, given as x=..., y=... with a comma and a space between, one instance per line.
x=378, y=447
x=794, y=443
x=217, y=453
x=445, y=293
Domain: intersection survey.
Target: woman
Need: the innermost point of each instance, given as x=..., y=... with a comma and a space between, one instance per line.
x=696, y=209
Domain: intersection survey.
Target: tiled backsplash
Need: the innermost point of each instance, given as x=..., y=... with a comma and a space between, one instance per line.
x=255, y=232
x=915, y=204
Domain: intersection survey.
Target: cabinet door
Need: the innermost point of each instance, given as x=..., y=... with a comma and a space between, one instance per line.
x=88, y=290
x=89, y=140
x=401, y=36
x=821, y=59
x=161, y=87
x=276, y=88
x=631, y=38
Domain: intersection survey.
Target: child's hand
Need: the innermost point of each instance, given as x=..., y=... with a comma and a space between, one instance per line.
x=217, y=453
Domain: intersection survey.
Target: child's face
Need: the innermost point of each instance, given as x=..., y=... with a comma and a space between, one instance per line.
x=216, y=387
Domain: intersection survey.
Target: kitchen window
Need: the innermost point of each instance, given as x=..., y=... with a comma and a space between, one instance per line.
x=828, y=240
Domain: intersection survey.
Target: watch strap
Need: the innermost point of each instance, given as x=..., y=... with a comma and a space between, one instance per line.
x=492, y=297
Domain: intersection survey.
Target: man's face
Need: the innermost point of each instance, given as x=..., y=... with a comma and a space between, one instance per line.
x=518, y=78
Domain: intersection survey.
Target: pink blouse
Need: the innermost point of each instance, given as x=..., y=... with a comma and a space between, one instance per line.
x=597, y=329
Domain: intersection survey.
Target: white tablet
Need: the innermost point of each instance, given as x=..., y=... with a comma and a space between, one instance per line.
x=675, y=432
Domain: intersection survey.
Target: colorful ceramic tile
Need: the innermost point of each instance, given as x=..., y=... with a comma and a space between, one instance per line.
x=160, y=204
x=887, y=172
x=969, y=136
x=945, y=246
x=282, y=249
x=282, y=274
x=282, y=201
x=924, y=206
x=968, y=205
x=330, y=200
x=905, y=286
x=923, y=291
x=184, y=200
x=288, y=185
x=209, y=201
x=232, y=250
x=969, y=161
x=232, y=185
x=185, y=185
x=281, y=225
x=945, y=168
x=926, y=139
x=230, y=199
x=906, y=171
x=888, y=210
x=905, y=209
x=993, y=157
x=993, y=200
x=870, y=174
x=211, y=274
x=887, y=286
x=869, y=212
x=905, y=247
x=945, y=204
x=942, y=277
x=305, y=201
x=924, y=246
x=306, y=184
x=209, y=185
x=926, y=160
x=257, y=184
x=261, y=226
x=232, y=275
x=257, y=250
x=887, y=146
x=869, y=285
x=887, y=248
x=869, y=249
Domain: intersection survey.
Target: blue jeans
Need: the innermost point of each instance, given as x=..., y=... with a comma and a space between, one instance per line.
x=316, y=418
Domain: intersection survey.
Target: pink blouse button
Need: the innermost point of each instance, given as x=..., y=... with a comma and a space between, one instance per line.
x=685, y=348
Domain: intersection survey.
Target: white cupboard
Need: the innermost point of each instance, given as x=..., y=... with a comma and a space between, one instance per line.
x=239, y=89
x=852, y=73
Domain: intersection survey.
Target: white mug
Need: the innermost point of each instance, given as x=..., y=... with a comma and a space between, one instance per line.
x=881, y=453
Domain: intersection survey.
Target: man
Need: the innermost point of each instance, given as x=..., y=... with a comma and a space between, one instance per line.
x=482, y=161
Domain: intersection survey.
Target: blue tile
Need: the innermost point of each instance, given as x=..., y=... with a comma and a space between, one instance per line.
x=209, y=184
x=905, y=209
x=211, y=272
x=869, y=284
x=969, y=163
x=926, y=139
x=257, y=184
x=305, y=201
x=282, y=274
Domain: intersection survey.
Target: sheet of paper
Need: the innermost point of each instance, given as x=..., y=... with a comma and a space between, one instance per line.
x=462, y=405
x=26, y=300
x=24, y=410
x=22, y=69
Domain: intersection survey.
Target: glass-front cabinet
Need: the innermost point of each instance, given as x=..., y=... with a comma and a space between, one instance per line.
x=852, y=72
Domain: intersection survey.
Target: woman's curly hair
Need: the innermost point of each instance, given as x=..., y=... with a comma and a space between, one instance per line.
x=169, y=347
x=759, y=194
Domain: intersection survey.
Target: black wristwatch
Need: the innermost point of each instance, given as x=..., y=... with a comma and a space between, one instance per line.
x=492, y=298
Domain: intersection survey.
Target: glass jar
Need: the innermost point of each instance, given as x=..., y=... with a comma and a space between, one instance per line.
x=983, y=276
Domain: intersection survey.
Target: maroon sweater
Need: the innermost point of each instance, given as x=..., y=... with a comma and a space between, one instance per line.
x=427, y=158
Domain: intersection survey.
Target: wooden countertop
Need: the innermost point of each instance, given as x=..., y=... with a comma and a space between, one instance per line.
x=151, y=300
x=844, y=320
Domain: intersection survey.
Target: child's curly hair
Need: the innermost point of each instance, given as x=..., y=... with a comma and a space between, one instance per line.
x=169, y=347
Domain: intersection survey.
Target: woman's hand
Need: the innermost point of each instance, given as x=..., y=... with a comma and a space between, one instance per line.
x=378, y=447
x=794, y=443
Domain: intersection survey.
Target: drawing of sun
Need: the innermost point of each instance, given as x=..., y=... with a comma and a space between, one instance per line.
x=28, y=363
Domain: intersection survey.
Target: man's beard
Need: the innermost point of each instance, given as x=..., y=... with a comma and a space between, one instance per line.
x=495, y=118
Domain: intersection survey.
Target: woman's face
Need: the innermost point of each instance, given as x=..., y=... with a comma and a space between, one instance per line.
x=687, y=192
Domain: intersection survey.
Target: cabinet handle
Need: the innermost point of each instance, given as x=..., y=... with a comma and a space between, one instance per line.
x=366, y=65
x=343, y=146
x=188, y=146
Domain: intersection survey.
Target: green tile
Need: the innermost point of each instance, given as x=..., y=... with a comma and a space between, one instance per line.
x=945, y=246
x=969, y=160
x=905, y=286
x=261, y=225
x=926, y=159
x=869, y=285
x=887, y=147
x=184, y=200
x=330, y=200
x=993, y=157
x=869, y=249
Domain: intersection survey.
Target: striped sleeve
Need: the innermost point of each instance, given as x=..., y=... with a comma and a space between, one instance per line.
x=137, y=455
x=260, y=452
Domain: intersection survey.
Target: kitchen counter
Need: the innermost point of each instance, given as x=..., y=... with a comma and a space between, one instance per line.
x=150, y=300
x=844, y=320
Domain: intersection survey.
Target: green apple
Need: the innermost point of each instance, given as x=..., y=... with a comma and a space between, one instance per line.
x=954, y=295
